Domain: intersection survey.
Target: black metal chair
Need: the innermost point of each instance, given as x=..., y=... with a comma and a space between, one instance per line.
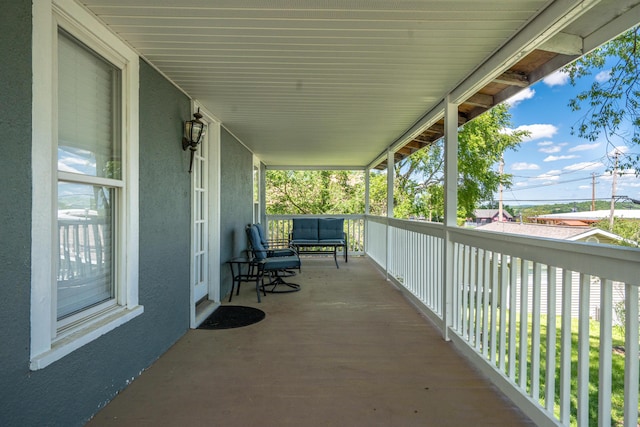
x=274, y=263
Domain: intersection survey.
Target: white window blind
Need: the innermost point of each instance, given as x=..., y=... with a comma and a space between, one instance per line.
x=89, y=145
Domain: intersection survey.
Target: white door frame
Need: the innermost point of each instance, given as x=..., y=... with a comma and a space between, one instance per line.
x=212, y=138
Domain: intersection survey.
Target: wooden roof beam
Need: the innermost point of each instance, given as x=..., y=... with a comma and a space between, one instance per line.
x=480, y=100
x=512, y=79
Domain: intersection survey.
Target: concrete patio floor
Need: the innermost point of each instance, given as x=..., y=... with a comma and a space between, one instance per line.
x=347, y=350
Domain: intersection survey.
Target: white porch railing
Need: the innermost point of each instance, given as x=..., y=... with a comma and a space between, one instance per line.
x=514, y=302
x=536, y=315
x=279, y=227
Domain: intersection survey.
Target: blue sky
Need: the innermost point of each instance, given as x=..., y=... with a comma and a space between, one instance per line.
x=553, y=165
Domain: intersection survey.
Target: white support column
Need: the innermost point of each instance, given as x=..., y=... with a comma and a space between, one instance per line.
x=367, y=205
x=367, y=183
x=390, y=182
x=450, y=209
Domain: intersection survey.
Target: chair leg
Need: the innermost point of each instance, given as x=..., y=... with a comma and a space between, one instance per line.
x=258, y=280
x=277, y=280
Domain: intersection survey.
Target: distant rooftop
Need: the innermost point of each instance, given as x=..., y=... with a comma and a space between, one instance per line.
x=591, y=216
x=538, y=230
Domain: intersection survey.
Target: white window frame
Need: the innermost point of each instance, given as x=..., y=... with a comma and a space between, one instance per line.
x=52, y=340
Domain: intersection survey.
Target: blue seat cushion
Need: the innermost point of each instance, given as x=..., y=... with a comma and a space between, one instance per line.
x=281, y=263
x=259, y=251
x=263, y=236
x=305, y=229
x=330, y=228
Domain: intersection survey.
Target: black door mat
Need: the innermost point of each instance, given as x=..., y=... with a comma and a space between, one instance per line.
x=232, y=316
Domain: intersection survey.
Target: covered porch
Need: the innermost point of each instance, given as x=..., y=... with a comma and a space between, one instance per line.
x=348, y=349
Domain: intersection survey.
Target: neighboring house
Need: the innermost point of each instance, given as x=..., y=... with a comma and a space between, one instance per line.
x=585, y=218
x=484, y=216
x=572, y=233
x=575, y=234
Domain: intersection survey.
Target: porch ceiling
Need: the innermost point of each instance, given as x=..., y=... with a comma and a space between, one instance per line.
x=335, y=83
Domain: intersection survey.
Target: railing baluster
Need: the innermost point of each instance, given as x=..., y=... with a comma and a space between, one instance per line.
x=583, y=351
x=631, y=362
x=550, y=377
x=466, y=293
x=535, y=332
x=565, y=349
x=494, y=308
x=524, y=312
x=513, y=285
x=606, y=345
x=503, y=311
x=477, y=321
x=485, y=303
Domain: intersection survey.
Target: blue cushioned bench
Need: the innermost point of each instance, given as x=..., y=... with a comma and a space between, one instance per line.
x=319, y=235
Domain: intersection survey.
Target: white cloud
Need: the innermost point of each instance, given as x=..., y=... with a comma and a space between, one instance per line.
x=586, y=166
x=623, y=149
x=538, y=131
x=551, y=149
x=584, y=147
x=584, y=187
x=525, y=94
x=603, y=76
x=558, y=78
x=556, y=158
x=522, y=166
x=545, y=143
x=549, y=176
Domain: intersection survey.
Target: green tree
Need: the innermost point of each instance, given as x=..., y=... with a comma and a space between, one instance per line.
x=626, y=228
x=314, y=192
x=419, y=178
x=610, y=105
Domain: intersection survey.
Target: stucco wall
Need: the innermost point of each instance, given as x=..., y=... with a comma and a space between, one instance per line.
x=72, y=389
x=15, y=204
x=236, y=202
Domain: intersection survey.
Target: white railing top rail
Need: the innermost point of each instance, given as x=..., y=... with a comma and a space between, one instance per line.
x=615, y=263
x=290, y=216
x=435, y=229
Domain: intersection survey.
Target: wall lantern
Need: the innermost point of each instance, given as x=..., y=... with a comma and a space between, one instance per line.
x=193, y=132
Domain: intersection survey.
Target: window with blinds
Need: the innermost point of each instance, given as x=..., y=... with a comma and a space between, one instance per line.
x=89, y=177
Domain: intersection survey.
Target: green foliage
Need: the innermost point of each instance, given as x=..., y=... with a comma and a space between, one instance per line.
x=611, y=106
x=418, y=179
x=628, y=229
x=481, y=143
x=314, y=192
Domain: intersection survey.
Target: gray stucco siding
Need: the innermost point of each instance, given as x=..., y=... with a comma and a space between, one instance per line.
x=236, y=202
x=71, y=390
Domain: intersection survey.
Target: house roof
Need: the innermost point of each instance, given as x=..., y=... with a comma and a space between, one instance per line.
x=591, y=216
x=338, y=84
x=559, y=232
x=490, y=213
x=536, y=230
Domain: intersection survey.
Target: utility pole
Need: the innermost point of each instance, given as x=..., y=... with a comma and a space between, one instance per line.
x=593, y=191
x=613, y=191
x=501, y=171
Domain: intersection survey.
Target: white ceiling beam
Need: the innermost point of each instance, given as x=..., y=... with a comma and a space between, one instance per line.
x=612, y=29
x=544, y=26
x=564, y=43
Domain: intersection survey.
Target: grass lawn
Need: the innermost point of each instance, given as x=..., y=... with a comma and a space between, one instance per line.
x=617, y=376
